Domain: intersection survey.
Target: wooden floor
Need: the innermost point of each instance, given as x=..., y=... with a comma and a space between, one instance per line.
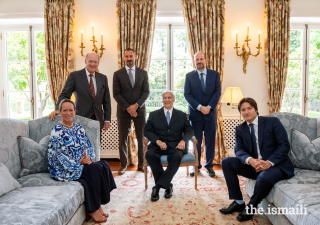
x=115, y=165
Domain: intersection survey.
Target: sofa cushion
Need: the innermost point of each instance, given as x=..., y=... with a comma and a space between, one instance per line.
x=8, y=183
x=33, y=155
x=186, y=158
x=50, y=205
x=304, y=154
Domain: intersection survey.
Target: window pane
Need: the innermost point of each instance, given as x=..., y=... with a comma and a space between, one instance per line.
x=18, y=76
x=294, y=78
x=314, y=74
x=295, y=44
x=19, y=106
x=44, y=104
x=42, y=81
x=158, y=75
x=291, y=101
x=17, y=46
x=181, y=102
x=40, y=46
x=314, y=104
x=181, y=68
x=314, y=44
x=180, y=44
x=154, y=101
x=159, y=48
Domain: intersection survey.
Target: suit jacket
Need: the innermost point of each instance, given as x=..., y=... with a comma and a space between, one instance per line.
x=273, y=143
x=78, y=84
x=126, y=95
x=157, y=128
x=195, y=95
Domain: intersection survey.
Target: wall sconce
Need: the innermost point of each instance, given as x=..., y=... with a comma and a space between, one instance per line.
x=232, y=96
x=245, y=55
x=95, y=49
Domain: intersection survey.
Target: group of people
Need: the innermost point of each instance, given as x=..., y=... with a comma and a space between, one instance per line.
x=260, y=154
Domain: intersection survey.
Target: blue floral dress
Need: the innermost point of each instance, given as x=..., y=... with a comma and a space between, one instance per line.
x=65, y=149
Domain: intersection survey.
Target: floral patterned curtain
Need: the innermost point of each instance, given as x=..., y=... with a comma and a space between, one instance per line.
x=136, y=25
x=276, y=43
x=59, y=49
x=205, y=25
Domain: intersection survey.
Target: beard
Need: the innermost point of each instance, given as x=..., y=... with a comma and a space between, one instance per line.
x=200, y=66
x=129, y=63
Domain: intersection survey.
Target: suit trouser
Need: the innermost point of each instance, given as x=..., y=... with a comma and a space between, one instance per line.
x=265, y=180
x=164, y=177
x=209, y=130
x=124, y=126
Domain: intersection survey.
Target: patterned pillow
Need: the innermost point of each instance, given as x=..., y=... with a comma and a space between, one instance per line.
x=8, y=183
x=33, y=155
x=304, y=154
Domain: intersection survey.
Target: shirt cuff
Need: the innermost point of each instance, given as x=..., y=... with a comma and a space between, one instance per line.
x=271, y=163
x=209, y=106
x=247, y=160
x=199, y=106
x=137, y=104
x=107, y=121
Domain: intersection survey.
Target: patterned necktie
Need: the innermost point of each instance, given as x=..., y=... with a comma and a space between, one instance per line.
x=92, y=87
x=202, y=81
x=131, y=77
x=254, y=142
x=168, y=117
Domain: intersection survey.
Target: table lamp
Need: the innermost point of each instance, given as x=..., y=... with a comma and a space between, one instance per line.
x=232, y=96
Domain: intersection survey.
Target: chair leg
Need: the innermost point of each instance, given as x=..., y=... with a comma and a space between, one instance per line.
x=195, y=178
x=187, y=170
x=146, y=178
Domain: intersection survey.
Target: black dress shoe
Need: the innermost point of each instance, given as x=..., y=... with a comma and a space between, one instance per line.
x=233, y=207
x=168, y=192
x=211, y=172
x=192, y=172
x=155, y=194
x=244, y=216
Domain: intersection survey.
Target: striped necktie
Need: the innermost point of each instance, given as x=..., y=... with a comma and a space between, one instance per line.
x=92, y=87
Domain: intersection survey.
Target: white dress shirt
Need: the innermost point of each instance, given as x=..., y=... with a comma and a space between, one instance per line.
x=93, y=79
x=204, y=81
x=255, y=125
x=170, y=112
x=133, y=71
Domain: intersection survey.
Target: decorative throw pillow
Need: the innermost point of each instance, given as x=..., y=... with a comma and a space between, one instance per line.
x=33, y=155
x=8, y=183
x=304, y=154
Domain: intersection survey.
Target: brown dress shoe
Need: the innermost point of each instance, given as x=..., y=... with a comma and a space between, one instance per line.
x=122, y=170
x=140, y=168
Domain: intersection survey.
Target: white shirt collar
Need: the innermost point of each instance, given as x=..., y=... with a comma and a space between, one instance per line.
x=204, y=71
x=133, y=68
x=170, y=111
x=255, y=122
x=87, y=72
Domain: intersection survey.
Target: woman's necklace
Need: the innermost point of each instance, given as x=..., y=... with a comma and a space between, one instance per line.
x=67, y=125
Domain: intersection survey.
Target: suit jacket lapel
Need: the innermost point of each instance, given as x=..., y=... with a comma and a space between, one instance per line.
x=84, y=79
x=163, y=117
x=197, y=80
x=247, y=136
x=173, y=116
x=209, y=79
x=260, y=131
x=127, y=77
x=98, y=83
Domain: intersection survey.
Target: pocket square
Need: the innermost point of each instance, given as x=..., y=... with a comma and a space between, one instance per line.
x=102, y=86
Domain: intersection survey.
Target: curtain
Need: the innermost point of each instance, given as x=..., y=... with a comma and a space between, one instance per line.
x=277, y=43
x=205, y=26
x=136, y=24
x=59, y=43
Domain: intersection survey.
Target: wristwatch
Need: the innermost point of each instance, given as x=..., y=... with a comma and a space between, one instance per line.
x=209, y=107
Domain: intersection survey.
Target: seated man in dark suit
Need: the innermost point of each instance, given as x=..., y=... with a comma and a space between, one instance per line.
x=168, y=129
x=261, y=150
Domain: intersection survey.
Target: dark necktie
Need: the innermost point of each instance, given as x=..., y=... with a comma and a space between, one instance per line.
x=168, y=117
x=131, y=77
x=202, y=81
x=254, y=142
x=92, y=87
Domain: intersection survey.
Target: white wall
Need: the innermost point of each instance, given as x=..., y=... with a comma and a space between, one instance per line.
x=21, y=8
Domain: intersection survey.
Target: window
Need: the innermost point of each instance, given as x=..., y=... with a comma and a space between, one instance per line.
x=26, y=92
x=302, y=92
x=170, y=62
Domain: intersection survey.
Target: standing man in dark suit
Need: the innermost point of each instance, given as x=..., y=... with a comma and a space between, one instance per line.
x=261, y=150
x=202, y=90
x=91, y=91
x=168, y=129
x=130, y=90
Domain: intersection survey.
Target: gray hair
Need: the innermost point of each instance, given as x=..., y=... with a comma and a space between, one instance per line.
x=94, y=53
x=174, y=96
x=194, y=56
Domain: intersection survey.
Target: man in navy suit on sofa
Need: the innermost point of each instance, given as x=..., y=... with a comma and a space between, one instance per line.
x=202, y=90
x=261, y=150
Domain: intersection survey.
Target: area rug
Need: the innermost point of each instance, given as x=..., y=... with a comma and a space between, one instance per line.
x=130, y=203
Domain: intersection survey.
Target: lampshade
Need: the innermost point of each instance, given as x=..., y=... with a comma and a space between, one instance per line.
x=232, y=95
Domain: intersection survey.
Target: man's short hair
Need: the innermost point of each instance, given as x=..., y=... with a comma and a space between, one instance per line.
x=130, y=49
x=174, y=96
x=64, y=101
x=251, y=101
x=94, y=53
x=194, y=56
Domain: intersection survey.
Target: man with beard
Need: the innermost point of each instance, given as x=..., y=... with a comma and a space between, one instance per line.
x=202, y=90
x=130, y=90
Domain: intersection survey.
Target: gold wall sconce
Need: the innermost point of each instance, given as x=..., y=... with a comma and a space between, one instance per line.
x=95, y=48
x=245, y=54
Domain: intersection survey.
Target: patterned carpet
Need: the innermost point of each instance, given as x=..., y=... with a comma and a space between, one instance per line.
x=130, y=203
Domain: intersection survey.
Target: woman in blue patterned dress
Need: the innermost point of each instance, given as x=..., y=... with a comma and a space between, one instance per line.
x=71, y=158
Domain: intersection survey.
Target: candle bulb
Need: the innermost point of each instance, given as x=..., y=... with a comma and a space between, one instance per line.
x=92, y=29
x=259, y=37
x=248, y=29
x=101, y=38
x=82, y=36
x=237, y=37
